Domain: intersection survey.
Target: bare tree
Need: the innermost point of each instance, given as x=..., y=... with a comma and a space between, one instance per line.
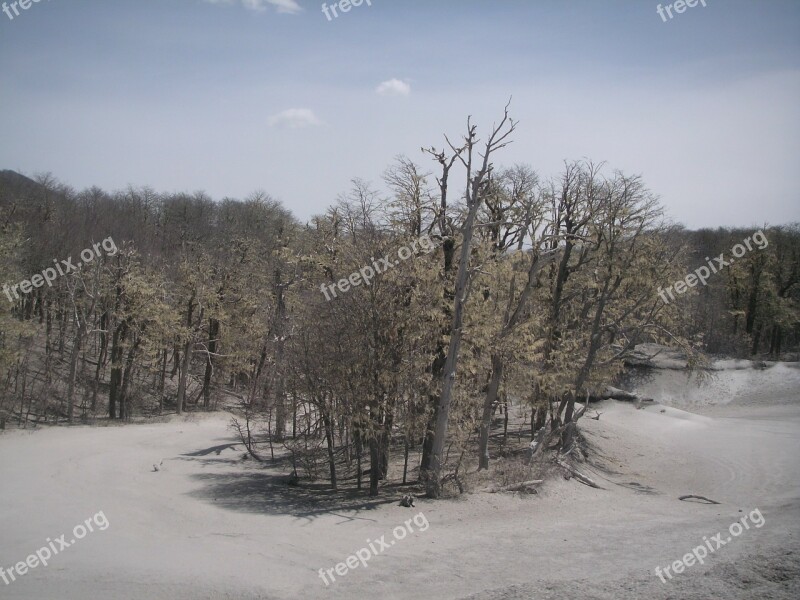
x=478, y=168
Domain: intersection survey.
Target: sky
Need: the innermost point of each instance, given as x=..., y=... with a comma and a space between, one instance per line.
x=236, y=96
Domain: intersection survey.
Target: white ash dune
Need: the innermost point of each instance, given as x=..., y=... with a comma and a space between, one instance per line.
x=210, y=525
x=730, y=383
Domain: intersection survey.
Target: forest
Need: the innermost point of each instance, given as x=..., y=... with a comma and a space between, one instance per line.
x=532, y=293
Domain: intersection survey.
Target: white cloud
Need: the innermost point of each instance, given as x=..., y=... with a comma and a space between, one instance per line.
x=394, y=87
x=281, y=6
x=294, y=118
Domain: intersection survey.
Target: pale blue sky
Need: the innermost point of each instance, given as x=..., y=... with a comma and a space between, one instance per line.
x=186, y=95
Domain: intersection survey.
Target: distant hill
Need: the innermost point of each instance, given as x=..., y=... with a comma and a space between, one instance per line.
x=15, y=187
x=12, y=179
x=28, y=200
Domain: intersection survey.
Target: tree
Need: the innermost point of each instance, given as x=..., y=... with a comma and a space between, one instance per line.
x=478, y=172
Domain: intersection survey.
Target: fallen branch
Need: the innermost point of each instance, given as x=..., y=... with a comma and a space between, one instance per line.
x=536, y=443
x=617, y=394
x=579, y=476
x=689, y=496
x=514, y=487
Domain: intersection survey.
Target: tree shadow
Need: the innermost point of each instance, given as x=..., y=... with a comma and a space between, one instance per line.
x=269, y=493
x=216, y=449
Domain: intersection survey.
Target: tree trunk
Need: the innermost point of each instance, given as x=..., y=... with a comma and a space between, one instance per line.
x=386, y=436
x=48, y=329
x=62, y=328
x=101, y=358
x=374, y=461
x=756, y=339
x=405, y=458
x=505, y=421
x=117, y=340
x=176, y=361
x=752, y=303
x=184, y=376
x=80, y=331
x=294, y=414
x=427, y=441
x=326, y=421
x=162, y=380
x=488, y=410
x=124, y=401
x=187, y=358
x=359, y=452
x=540, y=420
x=213, y=333
x=433, y=483
x=280, y=383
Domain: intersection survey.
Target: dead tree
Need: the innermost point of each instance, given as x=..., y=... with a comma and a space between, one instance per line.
x=476, y=185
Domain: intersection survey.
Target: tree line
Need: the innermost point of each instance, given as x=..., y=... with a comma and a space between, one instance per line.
x=536, y=291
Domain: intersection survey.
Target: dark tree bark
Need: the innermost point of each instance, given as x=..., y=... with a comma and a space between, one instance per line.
x=187, y=360
x=117, y=341
x=101, y=359
x=326, y=421
x=124, y=403
x=80, y=332
x=374, y=460
x=488, y=411
x=213, y=334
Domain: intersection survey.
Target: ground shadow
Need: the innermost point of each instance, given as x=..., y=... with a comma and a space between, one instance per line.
x=257, y=491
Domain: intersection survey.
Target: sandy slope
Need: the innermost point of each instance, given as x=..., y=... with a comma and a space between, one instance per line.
x=212, y=526
x=732, y=388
